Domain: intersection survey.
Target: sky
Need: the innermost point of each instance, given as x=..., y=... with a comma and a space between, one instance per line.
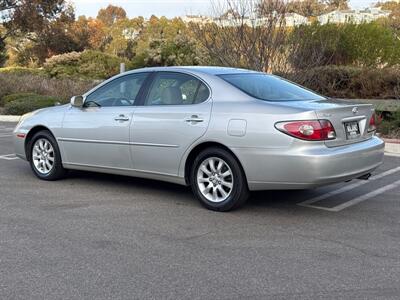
x=168, y=8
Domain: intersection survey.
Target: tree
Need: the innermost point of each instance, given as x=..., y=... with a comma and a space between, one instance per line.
x=123, y=36
x=337, y=4
x=3, y=54
x=181, y=51
x=26, y=16
x=394, y=18
x=245, y=40
x=389, y=5
x=307, y=8
x=40, y=23
x=88, y=33
x=111, y=14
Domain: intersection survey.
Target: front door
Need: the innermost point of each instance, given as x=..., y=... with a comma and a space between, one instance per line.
x=175, y=113
x=98, y=133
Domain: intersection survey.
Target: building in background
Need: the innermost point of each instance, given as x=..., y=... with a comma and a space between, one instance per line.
x=198, y=19
x=293, y=19
x=354, y=16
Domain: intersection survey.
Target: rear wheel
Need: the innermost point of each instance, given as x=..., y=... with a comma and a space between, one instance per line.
x=44, y=156
x=218, y=180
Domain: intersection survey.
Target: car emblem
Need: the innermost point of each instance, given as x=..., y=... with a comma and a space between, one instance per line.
x=355, y=110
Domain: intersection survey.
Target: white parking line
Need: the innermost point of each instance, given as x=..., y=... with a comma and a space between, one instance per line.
x=8, y=157
x=360, y=198
x=346, y=188
x=367, y=196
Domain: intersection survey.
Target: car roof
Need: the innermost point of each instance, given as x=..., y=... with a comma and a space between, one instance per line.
x=211, y=70
x=217, y=70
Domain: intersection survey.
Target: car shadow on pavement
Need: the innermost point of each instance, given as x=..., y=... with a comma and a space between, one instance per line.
x=276, y=198
x=127, y=182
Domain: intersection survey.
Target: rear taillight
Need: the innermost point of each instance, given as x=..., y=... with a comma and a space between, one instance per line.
x=313, y=130
x=372, y=123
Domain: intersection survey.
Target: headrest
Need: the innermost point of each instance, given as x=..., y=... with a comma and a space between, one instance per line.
x=171, y=95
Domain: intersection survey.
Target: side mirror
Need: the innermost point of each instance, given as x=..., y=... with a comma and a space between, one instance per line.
x=77, y=101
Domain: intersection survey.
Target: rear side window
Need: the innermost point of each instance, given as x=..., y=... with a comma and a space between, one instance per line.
x=170, y=88
x=269, y=87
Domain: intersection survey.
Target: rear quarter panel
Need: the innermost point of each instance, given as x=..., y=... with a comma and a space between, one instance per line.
x=260, y=134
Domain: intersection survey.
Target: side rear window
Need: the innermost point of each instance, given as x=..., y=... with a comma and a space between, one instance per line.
x=269, y=87
x=171, y=88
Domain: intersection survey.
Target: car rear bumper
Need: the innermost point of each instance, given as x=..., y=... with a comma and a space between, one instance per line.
x=299, y=167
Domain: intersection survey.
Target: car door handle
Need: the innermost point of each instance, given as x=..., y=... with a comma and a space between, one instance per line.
x=121, y=118
x=194, y=119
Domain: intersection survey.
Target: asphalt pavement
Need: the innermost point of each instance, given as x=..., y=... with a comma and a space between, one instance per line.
x=96, y=236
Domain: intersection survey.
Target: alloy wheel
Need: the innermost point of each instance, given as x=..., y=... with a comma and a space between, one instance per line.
x=215, y=179
x=43, y=156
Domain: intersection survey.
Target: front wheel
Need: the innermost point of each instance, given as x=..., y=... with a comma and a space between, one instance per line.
x=44, y=157
x=218, y=180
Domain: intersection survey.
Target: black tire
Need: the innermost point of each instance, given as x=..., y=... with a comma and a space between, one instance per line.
x=239, y=193
x=57, y=171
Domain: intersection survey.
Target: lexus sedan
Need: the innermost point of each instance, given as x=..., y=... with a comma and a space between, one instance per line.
x=223, y=131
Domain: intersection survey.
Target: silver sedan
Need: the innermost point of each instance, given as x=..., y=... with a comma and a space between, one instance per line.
x=222, y=131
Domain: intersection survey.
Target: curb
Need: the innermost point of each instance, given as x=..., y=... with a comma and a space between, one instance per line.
x=392, y=147
x=8, y=118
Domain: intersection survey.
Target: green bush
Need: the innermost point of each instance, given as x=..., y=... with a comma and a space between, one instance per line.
x=23, y=103
x=181, y=51
x=22, y=71
x=390, y=125
x=87, y=64
x=366, y=44
x=350, y=82
x=12, y=97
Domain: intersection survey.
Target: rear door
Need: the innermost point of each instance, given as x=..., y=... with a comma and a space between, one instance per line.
x=174, y=114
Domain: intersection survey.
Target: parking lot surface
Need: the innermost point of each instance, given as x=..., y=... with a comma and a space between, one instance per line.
x=111, y=237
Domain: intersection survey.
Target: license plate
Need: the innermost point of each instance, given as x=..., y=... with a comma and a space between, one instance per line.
x=352, y=130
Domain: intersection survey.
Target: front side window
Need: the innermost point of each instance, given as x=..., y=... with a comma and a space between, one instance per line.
x=122, y=91
x=170, y=88
x=269, y=87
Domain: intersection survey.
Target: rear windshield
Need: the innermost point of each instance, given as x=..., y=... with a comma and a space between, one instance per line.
x=269, y=87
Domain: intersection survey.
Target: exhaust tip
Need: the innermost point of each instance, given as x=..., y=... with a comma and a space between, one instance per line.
x=365, y=177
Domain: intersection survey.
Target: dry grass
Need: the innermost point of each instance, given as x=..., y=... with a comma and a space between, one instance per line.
x=63, y=89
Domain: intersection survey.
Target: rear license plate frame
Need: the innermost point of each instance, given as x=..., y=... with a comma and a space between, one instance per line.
x=352, y=130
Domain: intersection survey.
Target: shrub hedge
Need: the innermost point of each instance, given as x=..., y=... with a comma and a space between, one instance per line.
x=12, y=97
x=350, y=82
x=21, y=71
x=23, y=103
x=390, y=125
x=87, y=64
x=367, y=44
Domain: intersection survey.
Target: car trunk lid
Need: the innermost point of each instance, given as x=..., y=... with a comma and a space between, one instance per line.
x=350, y=121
